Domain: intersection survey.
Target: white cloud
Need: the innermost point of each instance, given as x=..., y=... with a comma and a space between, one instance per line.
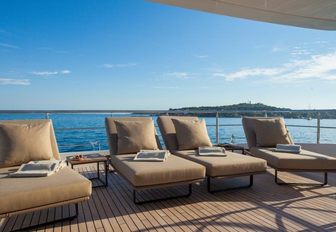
x=65, y=72
x=6, y=45
x=201, y=56
x=50, y=73
x=44, y=73
x=180, y=75
x=276, y=49
x=322, y=67
x=165, y=87
x=299, y=51
x=9, y=81
x=119, y=65
x=249, y=72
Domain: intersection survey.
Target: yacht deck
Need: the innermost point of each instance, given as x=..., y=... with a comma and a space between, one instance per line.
x=264, y=207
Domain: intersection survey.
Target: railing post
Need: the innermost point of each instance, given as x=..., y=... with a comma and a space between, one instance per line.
x=217, y=128
x=318, y=131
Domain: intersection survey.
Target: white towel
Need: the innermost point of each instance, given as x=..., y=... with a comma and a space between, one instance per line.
x=152, y=155
x=211, y=151
x=39, y=168
x=290, y=148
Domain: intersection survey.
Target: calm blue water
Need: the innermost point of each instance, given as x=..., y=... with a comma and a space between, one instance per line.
x=94, y=139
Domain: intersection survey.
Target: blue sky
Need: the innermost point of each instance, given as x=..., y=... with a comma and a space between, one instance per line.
x=133, y=54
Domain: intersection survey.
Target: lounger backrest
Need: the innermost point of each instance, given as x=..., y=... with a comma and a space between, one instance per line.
x=111, y=130
x=249, y=129
x=168, y=131
x=36, y=122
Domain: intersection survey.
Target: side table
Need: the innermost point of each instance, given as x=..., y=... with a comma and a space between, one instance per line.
x=233, y=147
x=89, y=159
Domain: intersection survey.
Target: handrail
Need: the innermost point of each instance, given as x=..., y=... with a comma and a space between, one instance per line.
x=216, y=114
x=158, y=111
x=208, y=125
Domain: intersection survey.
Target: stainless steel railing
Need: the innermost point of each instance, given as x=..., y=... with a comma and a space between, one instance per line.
x=217, y=125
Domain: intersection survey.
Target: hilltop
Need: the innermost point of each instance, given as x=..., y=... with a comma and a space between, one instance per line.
x=234, y=107
x=260, y=107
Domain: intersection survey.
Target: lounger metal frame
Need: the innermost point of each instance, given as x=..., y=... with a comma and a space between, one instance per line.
x=160, y=199
x=136, y=190
x=276, y=179
x=227, y=189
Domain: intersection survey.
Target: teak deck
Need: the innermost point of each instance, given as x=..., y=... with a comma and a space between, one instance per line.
x=264, y=207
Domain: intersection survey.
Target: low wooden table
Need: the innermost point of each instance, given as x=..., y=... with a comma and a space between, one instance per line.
x=233, y=147
x=89, y=159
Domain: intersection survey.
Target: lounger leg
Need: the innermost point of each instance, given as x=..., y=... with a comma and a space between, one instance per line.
x=227, y=189
x=325, y=180
x=29, y=228
x=160, y=199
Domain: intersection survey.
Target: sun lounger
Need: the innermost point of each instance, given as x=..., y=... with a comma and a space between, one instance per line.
x=143, y=175
x=28, y=194
x=274, y=129
x=228, y=166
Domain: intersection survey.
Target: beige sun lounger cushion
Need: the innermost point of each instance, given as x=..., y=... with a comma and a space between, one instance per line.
x=147, y=174
x=266, y=132
x=134, y=136
x=231, y=164
x=26, y=194
x=22, y=141
x=191, y=134
x=168, y=130
x=306, y=160
x=112, y=133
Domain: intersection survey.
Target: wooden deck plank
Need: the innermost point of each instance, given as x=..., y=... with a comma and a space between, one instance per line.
x=121, y=223
x=140, y=221
x=286, y=192
x=125, y=221
x=146, y=207
x=264, y=207
x=109, y=213
x=218, y=211
x=144, y=215
x=224, y=212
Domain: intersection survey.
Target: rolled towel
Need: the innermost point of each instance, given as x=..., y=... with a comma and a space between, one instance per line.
x=152, y=155
x=290, y=148
x=211, y=151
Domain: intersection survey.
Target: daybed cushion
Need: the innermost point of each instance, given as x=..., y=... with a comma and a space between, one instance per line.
x=24, y=193
x=135, y=135
x=21, y=143
x=168, y=131
x=112, y=133
x=191, y=134
x=306, y=160
x=270, y=132
x=249, y=124
x=143, y=174
x=232, y=164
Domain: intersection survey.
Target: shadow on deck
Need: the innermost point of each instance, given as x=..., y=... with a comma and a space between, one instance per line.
x=264, y=207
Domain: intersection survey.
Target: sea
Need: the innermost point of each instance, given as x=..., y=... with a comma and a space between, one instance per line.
x=86, y=132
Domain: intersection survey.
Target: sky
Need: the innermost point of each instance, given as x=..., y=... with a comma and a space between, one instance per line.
x=135, y=54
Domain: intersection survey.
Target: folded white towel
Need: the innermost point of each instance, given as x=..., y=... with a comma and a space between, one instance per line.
x=39, y=168
x=152, y=155
x=290, y=148
x=211, y=151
